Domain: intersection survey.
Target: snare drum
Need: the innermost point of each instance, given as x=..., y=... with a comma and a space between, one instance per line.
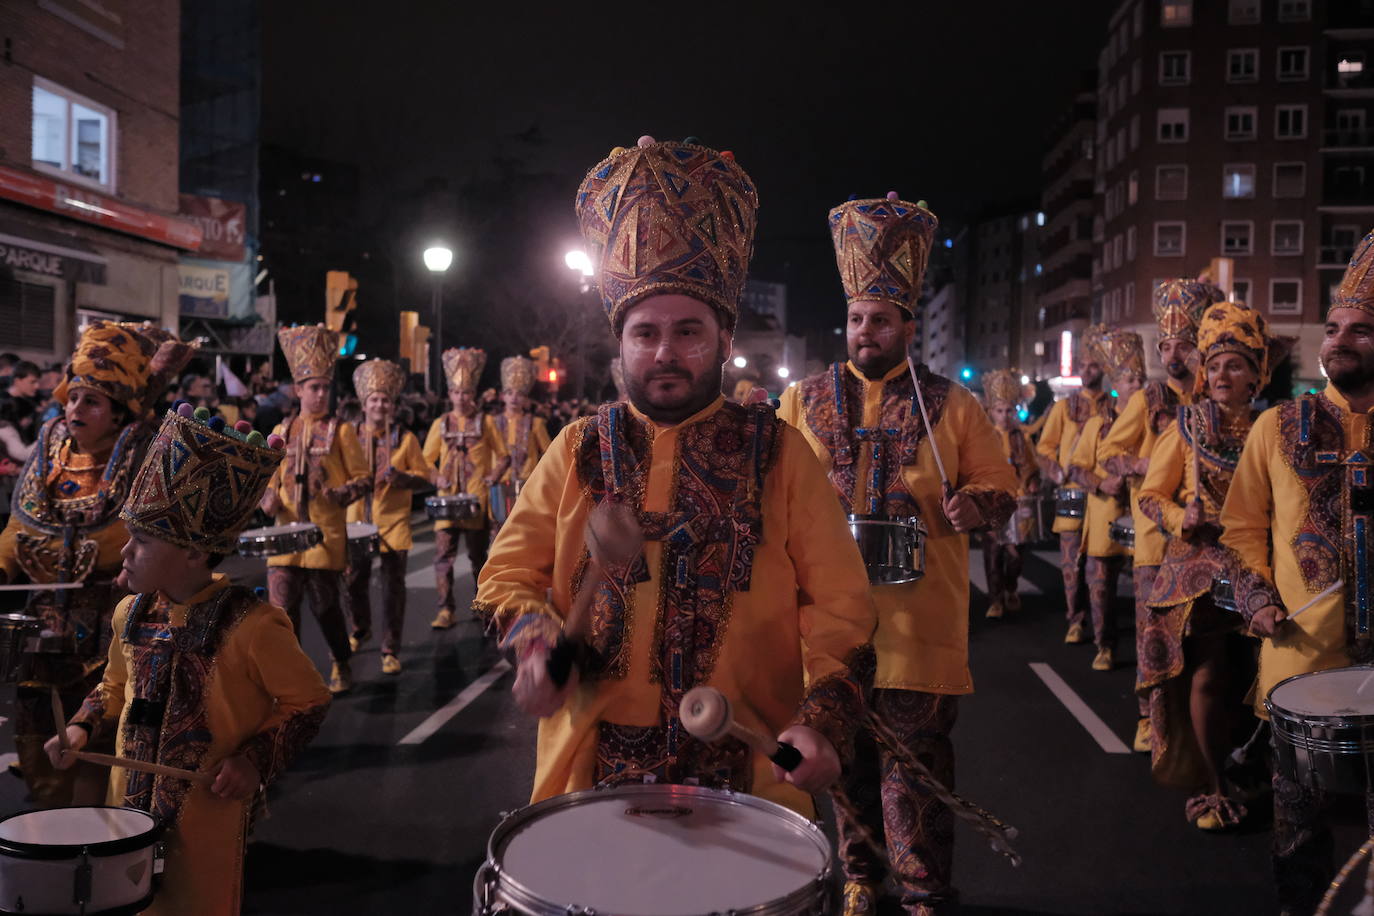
x=457, y=507
x=363, y=541
x=1224, y=594
x=1123, y=531
x=1027, y=523
x=86, y=860
x=1352, y=892
x=276, y=540
x=1324, y=728
x=893, y=550
x=15, y=632
x=658, y=849
x=1070, y=502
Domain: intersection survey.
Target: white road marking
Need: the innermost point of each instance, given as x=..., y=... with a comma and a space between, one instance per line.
x=440, y=717
x=1103, y=735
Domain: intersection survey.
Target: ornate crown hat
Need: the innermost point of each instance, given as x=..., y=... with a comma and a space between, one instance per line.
x=1230, y=327
x=200, y=480
x=311, y=350
x=517, y=374
x=1122, y=351
x=1357, y=286
x=463, y=367
x=1092, y=346
x=379, y=376
x=130, y=363
x=882, y=246
x=1179, y=305
x=1001, y=385
x=668, y=218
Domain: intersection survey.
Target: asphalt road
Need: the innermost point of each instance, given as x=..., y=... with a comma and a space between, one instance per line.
x=390, y=809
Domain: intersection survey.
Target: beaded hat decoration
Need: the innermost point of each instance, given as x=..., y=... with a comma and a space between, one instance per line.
x=201, y=480
x=463, y=367
x=1230, y=327
x=1179, y=304
x=1357, y=286
x=668, y=218
x=311, y=351
x=1123, y=352
x=1001, y=385
x=882, y=246
x=125, y=361
x=517, y=374
x=1091, y=346
x=379, y=376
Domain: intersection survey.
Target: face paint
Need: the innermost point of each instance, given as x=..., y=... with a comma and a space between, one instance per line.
x=697, y=354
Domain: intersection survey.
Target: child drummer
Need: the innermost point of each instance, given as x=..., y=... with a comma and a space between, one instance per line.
x=324, y=472
x=396, y=467
x=202, y=675
x=1002, y=560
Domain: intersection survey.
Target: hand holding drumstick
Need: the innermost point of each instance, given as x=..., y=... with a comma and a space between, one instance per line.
x=801, y=756
x=65, y=748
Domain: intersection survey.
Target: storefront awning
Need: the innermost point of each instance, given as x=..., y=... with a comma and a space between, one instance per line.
x=49, y=253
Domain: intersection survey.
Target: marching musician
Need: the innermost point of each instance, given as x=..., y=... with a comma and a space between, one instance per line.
x=470, y=455
x=863, y=420
x=1299, y=497
x=747, y=578
x=526, y=436
x=323, y=473
x=396, y=467
x=65, y=527
x=1002, y=560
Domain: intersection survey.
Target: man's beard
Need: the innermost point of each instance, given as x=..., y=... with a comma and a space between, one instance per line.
x=701, y=391
x=875, y=365
x=1179, y=370
x=1349, y=377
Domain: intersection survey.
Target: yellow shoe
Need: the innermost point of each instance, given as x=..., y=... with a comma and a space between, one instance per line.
x=859, y=899
x=443, y=620
x=1105, y=660
x=357, y=639
x=1143, y=742
x=391, y=664
x=994, y=611
x=340, y=678
x=1076, y=634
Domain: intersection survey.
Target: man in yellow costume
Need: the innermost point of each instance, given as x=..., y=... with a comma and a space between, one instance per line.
x=747, y=581
x=1002, y=558
x=323, y=473
x=202, y=675
x=470, y=455
x=1178, y=307
x=396, y=467
x=862, y=419
x=1298, y=516
x=65, y=527
x=526, y=436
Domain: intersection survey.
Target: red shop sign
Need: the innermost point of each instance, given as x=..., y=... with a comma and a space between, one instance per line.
x=69, y=199
x=223, y=225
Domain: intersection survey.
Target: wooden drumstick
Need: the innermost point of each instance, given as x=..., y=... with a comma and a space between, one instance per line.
x=706, y=714
x=157, y=769
x=59, y=720
x=925, y=418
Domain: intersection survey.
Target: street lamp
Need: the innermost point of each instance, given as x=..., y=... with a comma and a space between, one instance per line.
x=784, y=372
x=741, y=362
x=437, y=259
x=577, y=260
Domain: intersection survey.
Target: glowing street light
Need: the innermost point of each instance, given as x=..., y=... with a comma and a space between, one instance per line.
x=438, y=259
x=784, y=372
x=577, y=260
x=1025, y=380
x=740, y=362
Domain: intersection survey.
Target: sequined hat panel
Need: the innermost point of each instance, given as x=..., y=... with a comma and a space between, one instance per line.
x=517, y=374
x=379, y=376
x=311, y=351
x=1357, y=286
x=882, y=246
x=1178, y=307
x=1001, y=385
x=463, y=367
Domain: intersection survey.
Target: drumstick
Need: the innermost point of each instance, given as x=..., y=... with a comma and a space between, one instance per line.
x=59, y=720
x=1197, y=468
x=706, y=714
x=1318, y=597
x=40, y=587
x=925, y=418
x=157, y=769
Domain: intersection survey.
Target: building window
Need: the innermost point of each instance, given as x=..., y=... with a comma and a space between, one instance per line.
x=1349, y=67
x=1130, y=243
x=1135, y=76
x=1243, y=12
x=1240, y=122
x=1286, y=237
x=1138, y=20
x=1290, y=122
x=27, y=314
x=1292, y=63
x=1171, y=182
x=1237, y=237
x=1174, y=13
x=1295, y=10
x=1290, y=179
x=1135, y=132
x=1242, y=65
x=1174, y=68
x=1132, y=187
x=72, y=135
x=1285, y=297
x=1350, y=123
x=1240, y=291
x=1238, y=180
x=1171, y=239
x=1173, y=125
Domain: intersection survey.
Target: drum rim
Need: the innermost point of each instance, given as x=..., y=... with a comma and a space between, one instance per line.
x=1285, y=715
x=901, y=521
x=19, y=849
x=502, y=881
x=124, y=909
x=16, y=617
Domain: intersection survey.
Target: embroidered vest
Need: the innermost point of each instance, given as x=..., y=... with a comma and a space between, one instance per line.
x=305, y=457
x=520, y=448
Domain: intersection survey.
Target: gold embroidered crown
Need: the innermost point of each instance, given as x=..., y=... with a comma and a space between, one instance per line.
x=379, y=376
x=882, y=246
x=463, y=367
x=311, y=351
x=1001, y=385
x=668, y=218
x=1179, y=305
x=517, y=374
x=1092, y=346
x=1357, y=286
x=1122, y=351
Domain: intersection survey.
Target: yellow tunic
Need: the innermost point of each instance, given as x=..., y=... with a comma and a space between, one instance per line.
x=260, y=680
x=1058, y=439
x=343, y=466
x=922, y=638
x=485, y=449
x=390, y=502
x=1101, y=510
x=1265, y=509
x=535, y=445
x=1027, y=470
x=806, y=610
x=1133, y=435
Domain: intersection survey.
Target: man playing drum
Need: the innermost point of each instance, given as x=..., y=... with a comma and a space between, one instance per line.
x=746, y=579
x=323, y=473
x=1178, y=306
x=66, y=528
x=526, y=436
x=863, y=419
x=1002, y=560
x=470, y=455
x=1298, y=516
x=396, y=467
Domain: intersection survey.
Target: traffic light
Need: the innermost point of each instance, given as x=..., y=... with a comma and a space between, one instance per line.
x=966, y=373
x=540, y=355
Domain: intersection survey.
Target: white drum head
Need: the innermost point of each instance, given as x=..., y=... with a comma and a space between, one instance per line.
x=663, y=853
x=75, y=826
x=358, y=530
x=279, y=529
x=1338, y=692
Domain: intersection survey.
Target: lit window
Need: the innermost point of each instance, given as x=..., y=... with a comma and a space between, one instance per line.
x=1350, y=64
x=1039, y=269
x=1173, y=125
x=1242, y=65
x=1292, y=63
x=1290, y=122
x=1237, y=237
x=1171, y=182
x=1285, y=297
x=1286, y=237
x=1240, y=123
x=1243, y=12
x=1171, y=239
x=1040, y=218
x=1290, y=179
x=1174, y=67
x=1132, y=187
x=1176, y=13
x=72, y=134
x=1295, y=10
x=1238, y=180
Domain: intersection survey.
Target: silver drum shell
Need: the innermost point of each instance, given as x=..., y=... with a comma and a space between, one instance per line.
x=456, y=508
x=1334, y=753
x=893, y=549
x=1070, y=502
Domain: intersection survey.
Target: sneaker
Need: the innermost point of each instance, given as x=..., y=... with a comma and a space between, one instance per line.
x=1105, y=660
x=1142, y=743
x=391, y=664
x=443, y=620
x=994, y=611
x=340, y=678
x=1076, y=634
x=358, y=638
x=859, y=899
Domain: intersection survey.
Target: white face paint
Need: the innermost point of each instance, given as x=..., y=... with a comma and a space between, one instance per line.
x=696, y=355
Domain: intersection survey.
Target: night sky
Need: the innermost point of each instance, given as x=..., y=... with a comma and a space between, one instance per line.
x=950, y=102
